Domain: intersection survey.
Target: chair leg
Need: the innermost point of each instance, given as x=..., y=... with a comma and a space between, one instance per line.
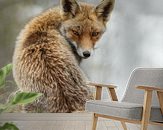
x=94, y=122
x=146, y=110
x=144, y=126
x=124, y=125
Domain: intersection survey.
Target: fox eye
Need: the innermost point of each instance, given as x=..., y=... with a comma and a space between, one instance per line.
x=75, y=33
x=94, y=34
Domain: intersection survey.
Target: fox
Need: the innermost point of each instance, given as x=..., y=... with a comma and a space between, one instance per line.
x=49, y=50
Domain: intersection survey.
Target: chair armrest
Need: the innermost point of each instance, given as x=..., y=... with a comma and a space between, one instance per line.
x=101, y=85
x=150, y=88
x=110, y=88
x=148, y=96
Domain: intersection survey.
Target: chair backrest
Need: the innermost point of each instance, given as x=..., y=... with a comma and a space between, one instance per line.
x=143, y=76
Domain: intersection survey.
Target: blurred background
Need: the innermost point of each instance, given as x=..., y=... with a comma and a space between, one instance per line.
x=134, y=37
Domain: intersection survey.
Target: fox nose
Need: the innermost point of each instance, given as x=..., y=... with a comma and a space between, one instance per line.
x=86, y=54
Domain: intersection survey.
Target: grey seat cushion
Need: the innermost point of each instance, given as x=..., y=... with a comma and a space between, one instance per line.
x=125, y=110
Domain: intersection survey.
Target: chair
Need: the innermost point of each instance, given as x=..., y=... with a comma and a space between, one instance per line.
x=137, y=106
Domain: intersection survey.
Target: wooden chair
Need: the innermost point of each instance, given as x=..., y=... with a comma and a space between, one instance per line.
x=136, y=106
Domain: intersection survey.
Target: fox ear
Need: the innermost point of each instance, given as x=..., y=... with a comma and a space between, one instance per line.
x=104, y=9
x=70, y=7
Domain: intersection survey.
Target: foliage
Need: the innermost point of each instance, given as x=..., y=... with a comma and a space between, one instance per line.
x=4, y=72
x=8, y=126
x=20, y=98
x=25, y=98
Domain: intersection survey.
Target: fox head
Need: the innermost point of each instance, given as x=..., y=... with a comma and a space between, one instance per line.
x=83, y=24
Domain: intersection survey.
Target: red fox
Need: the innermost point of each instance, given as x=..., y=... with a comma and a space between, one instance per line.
x=49, y=49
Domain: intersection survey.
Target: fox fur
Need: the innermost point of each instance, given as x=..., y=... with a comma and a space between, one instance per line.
x=48, y=52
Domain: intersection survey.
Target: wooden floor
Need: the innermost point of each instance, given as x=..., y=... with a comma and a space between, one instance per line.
x=57, y=121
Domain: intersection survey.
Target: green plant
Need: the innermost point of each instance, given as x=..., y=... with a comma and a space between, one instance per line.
x=4, y=72
x=20, y=98
x=8, y=126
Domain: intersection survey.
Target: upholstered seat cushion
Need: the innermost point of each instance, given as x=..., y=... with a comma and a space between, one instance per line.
x=125, y=110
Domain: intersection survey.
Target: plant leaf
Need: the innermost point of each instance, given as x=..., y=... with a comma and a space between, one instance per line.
x=3, y=74
x=8, y=126
x=23, y=98
x=2, y=108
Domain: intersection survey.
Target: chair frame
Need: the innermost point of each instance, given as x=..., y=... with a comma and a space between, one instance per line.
x=146, y=106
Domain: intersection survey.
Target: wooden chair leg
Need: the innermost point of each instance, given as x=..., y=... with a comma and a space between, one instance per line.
x=146, y=110
x=124, y=125
x=113, y=96
x=94, y=122
x=160, y=98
